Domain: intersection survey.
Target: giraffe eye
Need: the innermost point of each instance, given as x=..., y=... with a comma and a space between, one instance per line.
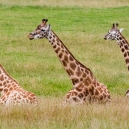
x=42, y=30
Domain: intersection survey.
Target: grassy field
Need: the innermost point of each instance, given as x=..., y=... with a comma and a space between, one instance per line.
x=81, y=26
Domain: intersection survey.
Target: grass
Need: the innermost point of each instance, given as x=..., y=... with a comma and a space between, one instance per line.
x=52, y=114
x=35, y=66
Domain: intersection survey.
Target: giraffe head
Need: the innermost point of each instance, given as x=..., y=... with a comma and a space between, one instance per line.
x=113, y=33
x=41, y=31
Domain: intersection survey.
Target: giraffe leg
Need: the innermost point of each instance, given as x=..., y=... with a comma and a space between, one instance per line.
x=74, y=97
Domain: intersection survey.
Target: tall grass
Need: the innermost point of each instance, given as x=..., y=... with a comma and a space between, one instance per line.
x=36, y=67
x=52, y=114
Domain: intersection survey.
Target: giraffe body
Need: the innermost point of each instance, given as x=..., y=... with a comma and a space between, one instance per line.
x=115, y=34
x=85, y=86
x=12, y=93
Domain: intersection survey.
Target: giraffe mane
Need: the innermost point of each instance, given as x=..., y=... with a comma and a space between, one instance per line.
x=7, y=74
x=72, y=55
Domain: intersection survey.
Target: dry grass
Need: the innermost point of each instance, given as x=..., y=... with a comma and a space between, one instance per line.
x=69, y=3
x=52, y=114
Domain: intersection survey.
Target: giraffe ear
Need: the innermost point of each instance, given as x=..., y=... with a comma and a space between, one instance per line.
x=49, y=27
x=44, y=21
x=113, y=25
x=121, y=29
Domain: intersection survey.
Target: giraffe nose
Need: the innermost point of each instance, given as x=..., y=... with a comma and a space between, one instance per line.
x=30, y=36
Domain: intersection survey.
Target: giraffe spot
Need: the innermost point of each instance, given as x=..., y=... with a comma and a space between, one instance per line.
x=126, y=47
x=100, y=89
x=58, y=43
x=78, y=73
x=57, y=40
x=94, y=83
x=91, y=90
x=0, y=84
x=53, y=40
x=96, y=92
x=80, y=95
x=66, y=52
x=18, y=97
x=53, y=36
x=4, y=83
x=78, y=89
x=62, y=46
x=3, y=98
x=81, y=79
x=122, y=49
x=57, y=50
x=73, y=66
x=71, y=58
x=101, y=98
x=87, y=81
x=10, y=88
x=54, y=46
x=66, y=58
x=0, y=71
x=64, y=63
x=71, y=72
x=86, y=93
x=67, y=72
x=60, y=55
x=5, y=90
x=75, y=99
x=1, y=89
x=98, y=84
x=128, y=53
x=127, y=60
x=74, y=93
x=120, y=38
x=75, y=80
x=125, y=54
x=1, y=78
x=8, y=93
x=82, y=69
x=84, y=75
x=104, y=95
x=80, y=86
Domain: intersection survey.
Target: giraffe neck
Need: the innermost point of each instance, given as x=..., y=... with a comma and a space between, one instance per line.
x=78, y=73
x=124, y=46
x=7, y=83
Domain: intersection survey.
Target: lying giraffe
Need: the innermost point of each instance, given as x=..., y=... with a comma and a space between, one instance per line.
x=12, y=93
x=115, y=34
x=85, y=86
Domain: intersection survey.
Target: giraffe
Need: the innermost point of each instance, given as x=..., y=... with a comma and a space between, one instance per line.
x=12, y=93
x=86, y=88
x=115, y=34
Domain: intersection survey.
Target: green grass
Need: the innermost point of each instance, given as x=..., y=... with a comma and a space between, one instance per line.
x=36, y=67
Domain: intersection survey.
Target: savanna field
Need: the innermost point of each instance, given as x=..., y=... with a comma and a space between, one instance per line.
x=81, y=25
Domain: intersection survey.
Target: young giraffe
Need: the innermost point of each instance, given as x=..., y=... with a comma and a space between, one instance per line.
x=115, y=34
x=12, y=93
x=85, y=86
